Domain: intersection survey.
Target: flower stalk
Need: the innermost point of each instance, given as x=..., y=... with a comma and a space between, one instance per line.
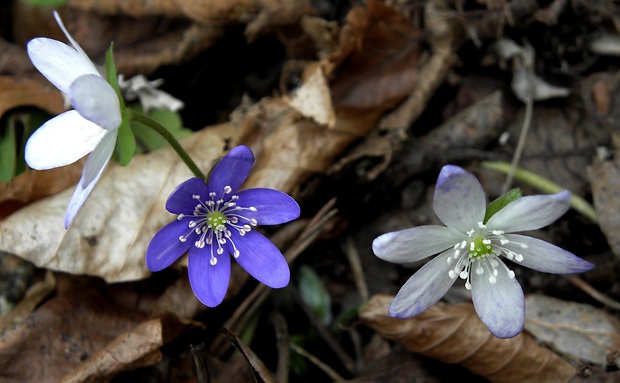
x=140, y=118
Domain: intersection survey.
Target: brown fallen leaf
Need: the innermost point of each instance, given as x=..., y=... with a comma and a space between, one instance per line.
x=130, y=350
x=32, y=185
x=605, y=180
x=16, y=92
x=374, y=68
x=579, y=330
x=35, y=294
x=208, y=11
x=455, y=334
x=62, y=333
x=141, y=45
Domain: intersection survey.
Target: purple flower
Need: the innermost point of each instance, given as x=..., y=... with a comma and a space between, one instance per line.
x=473, y=250
x=215, y=221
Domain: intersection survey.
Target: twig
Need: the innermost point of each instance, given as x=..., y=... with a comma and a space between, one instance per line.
x=591, y=291
x=199, y=352
x=282, y=341
x=317, y=362
x=345, y=359
x=528, y=63
x=356, y=267
x=245, y=310
x=258, y=367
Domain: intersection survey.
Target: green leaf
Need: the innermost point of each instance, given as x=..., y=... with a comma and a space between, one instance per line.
x=148, y=139
x=17, y=127
x=46, y=3
x=125, y=143
x=8, y=150
x=314, y=294
x=110, y=73
x=501, y=203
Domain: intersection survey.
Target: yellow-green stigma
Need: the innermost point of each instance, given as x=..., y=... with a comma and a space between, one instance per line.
x=216, y=221
x=480, y=247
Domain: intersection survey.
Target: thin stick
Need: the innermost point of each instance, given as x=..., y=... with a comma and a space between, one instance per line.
x=591, y=291
x=317, y=362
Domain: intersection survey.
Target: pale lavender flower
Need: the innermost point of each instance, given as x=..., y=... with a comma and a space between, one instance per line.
x=214, y=221
x=474, y=251
x=91, y=127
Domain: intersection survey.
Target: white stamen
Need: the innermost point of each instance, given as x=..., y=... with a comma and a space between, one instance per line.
x=227, y=189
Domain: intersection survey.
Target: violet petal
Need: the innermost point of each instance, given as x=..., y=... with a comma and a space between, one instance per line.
x=530, y=213
x=459, y=200
x=417, y=243
x=272, y=206
x=209, y=282
x=231, y=171
x=424, y=288
x=182, y=201
x=165, y=247
x=500, y=305
x=543, y=256
x=261, y=259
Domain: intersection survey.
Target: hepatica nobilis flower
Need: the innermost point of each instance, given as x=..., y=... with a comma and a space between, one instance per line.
x=215, y=221
x=91, y=127
x=474, y=250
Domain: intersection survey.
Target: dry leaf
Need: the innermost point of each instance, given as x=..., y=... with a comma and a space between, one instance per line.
x=15, y=92
x=62, y=333
x=33, y=185
x=110, y=234
x=605, y=185
x=313, y=98
x=443, y=37
x=133, y=349
x=575, y=329
x=374, y=69
x=455, y=334
x=376, y=66
x=35, y=294
x=203, y=11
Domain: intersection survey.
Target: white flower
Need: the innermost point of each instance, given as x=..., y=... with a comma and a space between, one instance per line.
x=473, y=251
x=91, y=127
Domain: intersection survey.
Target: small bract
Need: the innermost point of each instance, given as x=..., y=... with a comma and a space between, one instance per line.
x=215, y=221
x=475, y=251
x=91, y=127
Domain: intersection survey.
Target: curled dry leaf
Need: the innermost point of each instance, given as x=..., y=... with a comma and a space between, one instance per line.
x=605, y=185
x=25, y=92
x=110, y=235
x=455, y=334
x=130, y=350
x=202, y=11
x=62, y=333
x=575, y=329
x=33, y=185
x=35, y=294
x=374, y=68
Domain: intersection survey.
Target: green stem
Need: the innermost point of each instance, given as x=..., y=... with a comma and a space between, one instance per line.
x=166, y=135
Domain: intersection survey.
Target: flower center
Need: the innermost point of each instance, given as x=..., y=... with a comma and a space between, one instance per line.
x=480, y=247
x=212, y=221
x=216, y=220
x=481, y=254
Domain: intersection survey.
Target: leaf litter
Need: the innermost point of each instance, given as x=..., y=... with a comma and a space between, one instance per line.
x=365, y=104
